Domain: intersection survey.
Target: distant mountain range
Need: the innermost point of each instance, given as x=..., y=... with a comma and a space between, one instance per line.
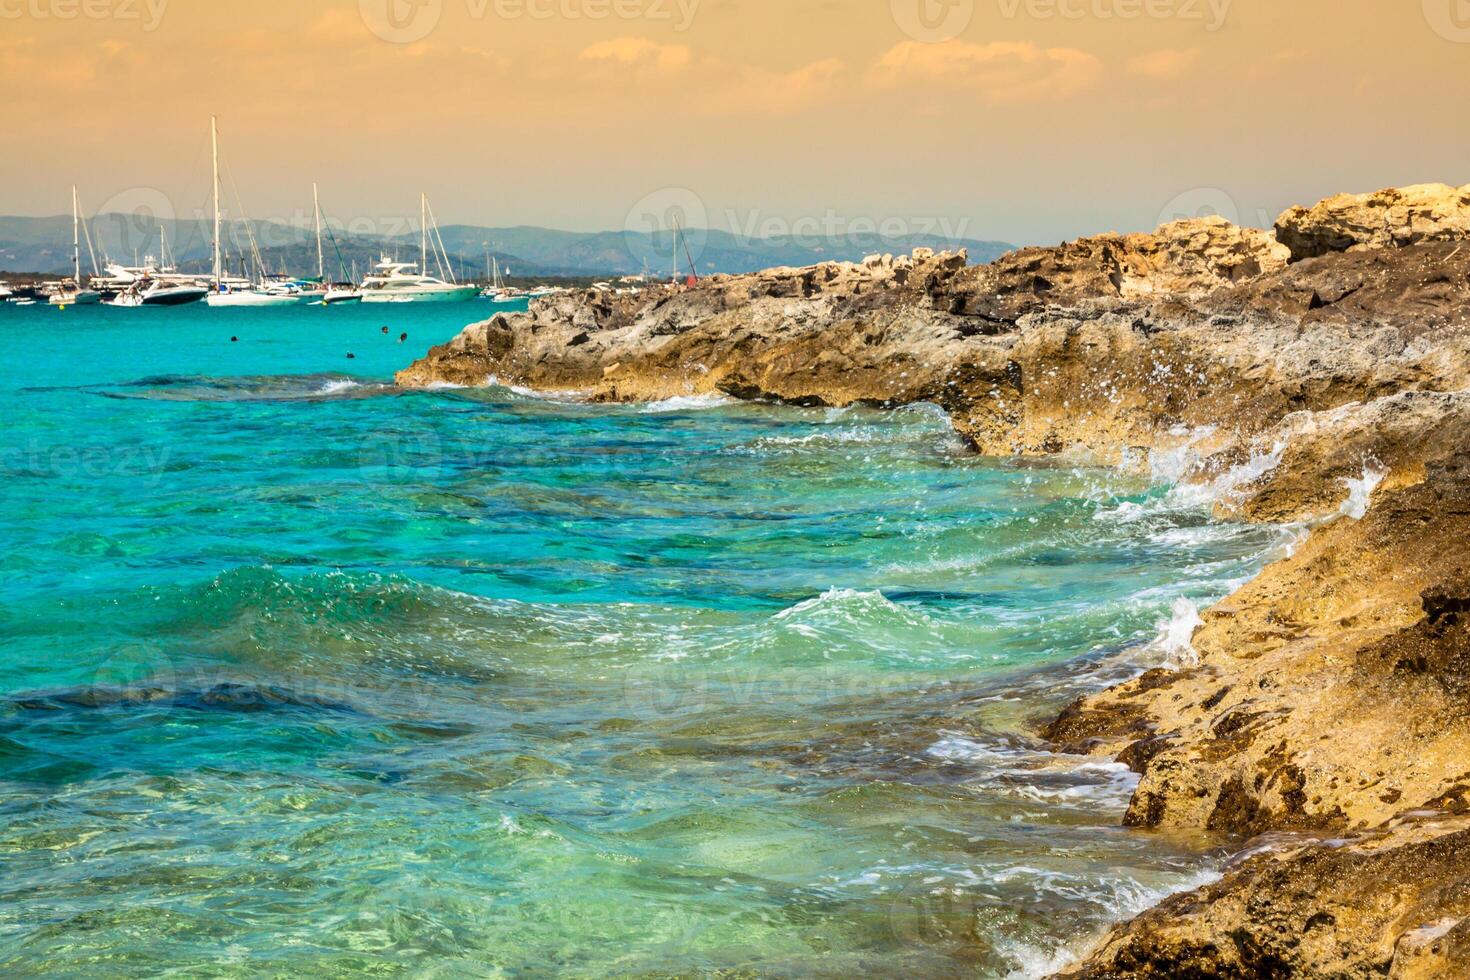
x=44, y=245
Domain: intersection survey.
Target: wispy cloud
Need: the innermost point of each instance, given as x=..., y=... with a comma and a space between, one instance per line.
x=1164, y=65
x=1002, y=73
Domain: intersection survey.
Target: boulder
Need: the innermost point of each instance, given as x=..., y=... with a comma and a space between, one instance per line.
x=1389, y=218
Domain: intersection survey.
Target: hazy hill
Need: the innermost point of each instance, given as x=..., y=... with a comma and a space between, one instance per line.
x=44, y=245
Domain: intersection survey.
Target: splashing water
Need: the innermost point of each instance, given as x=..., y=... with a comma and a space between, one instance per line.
x=306, y=674
x=1360, y=491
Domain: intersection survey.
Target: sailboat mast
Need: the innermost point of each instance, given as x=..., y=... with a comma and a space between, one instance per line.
x=321, y=262
x=76, y=238
x=423, y=233
x=214, y=146
x=676, y=247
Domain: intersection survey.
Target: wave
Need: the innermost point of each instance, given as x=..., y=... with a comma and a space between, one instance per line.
x=247, y=388
x=317, y=623
x=687, y=403
x=1360, y=491
x=240, y=697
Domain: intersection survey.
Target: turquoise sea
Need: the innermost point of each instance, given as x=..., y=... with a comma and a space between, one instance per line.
x=302, y=675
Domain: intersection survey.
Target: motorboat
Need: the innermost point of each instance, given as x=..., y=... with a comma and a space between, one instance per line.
x=68, y=292
x=403, y=282
x=163, y=290
x=342, y=294
x=398, y=282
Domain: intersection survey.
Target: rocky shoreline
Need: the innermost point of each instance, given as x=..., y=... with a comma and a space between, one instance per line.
x=1318, y=374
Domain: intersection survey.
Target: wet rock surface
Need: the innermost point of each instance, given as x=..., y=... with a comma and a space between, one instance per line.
x=1325, y=697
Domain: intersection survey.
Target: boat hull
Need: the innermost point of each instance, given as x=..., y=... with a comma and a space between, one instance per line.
x=86, y=297
x=255, y=300
x=454, y=294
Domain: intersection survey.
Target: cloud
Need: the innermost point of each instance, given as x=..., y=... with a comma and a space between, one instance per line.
x=23, y=61
x=1002, y=73
x=1165, y=64
x=767, y=93
x=640, y=54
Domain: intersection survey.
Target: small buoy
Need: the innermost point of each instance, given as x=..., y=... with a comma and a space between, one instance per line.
x=234, y=340
x=385, y=329
x=402, y=337
x=351, y=356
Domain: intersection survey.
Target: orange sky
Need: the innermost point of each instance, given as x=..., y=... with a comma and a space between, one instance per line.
x=1025, y=120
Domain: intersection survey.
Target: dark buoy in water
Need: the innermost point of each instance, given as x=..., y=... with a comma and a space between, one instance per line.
x=234, y=340
x=402, y=337
x=385, y=329
x=351, y=356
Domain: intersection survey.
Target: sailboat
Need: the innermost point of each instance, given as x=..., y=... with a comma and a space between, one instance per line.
x=500, y=294
x=235, y=292
x=396, y=282
x=332, y=293
x=69, y=292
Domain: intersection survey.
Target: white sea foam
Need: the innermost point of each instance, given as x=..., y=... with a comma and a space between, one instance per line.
x=338, y=386
x=1360, y=491
x=1125, y=900
x=493, y=381
x=1172, y=465
x=1176, y=634
x=686, y=403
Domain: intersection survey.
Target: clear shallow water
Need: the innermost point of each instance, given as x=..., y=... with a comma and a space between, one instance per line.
x=301, y=673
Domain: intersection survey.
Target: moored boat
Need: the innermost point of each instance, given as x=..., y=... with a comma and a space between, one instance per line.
x=162, y=291
x=69, y=292
x=394, y=282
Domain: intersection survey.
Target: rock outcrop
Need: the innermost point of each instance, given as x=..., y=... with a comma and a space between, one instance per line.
x=1314, y=910
x=1389, y=218
x=1329, y=694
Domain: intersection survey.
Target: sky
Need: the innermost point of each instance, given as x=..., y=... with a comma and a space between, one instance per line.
x=1029, y=121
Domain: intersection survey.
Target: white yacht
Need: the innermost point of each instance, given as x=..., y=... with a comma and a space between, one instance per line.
x=5, y=291
x=399, y=282
x=403, y=282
